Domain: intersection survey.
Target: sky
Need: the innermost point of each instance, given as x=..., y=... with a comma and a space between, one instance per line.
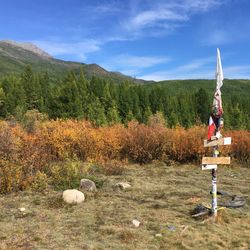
x=146, y=39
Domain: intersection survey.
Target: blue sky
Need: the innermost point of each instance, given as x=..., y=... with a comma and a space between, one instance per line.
x=148, y=39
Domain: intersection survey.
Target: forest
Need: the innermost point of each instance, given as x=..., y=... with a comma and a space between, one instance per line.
x=105, y=102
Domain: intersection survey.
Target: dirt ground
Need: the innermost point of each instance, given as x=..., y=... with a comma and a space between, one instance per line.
x=161, y=198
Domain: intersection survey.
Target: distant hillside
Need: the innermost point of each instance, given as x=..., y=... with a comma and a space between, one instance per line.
x=229, y=88
x=15, y=56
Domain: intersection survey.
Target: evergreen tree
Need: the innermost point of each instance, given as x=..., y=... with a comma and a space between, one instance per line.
x=14, y=93
x=96, y=113
x=69, y=99
x=113, y=114
x=31, y=88
x=45, y=92
x=129, y=117
x=237, y=118
x=2, y=103
x=202, y=105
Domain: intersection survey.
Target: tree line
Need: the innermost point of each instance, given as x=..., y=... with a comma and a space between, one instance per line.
x=104, y=102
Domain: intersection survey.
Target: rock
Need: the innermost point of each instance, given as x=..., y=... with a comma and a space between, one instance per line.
x=73, y=196
x=158, y=235
x=21, y=209
x=136, y=223
x=123, y=185
x=171, y=227
x=87, y=185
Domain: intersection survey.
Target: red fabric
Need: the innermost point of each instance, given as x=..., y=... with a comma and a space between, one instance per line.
x=211, y=128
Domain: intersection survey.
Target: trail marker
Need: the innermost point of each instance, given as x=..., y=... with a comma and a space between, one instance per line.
x=215, y=138
x=218, y=142
x=207, y=166
x=216, y=160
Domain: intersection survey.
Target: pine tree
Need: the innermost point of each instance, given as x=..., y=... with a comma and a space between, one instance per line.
x=113, y=114
x=2, y=103
x=31, y=88
x=45, y=92
x=96, y=113
x=69, y=99
x=237, y=118
x=14, y=93
x=202, y=105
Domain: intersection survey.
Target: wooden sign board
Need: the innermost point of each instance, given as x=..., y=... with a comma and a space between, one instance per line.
x=220, y=141
x=216, y=160
x=207, y=166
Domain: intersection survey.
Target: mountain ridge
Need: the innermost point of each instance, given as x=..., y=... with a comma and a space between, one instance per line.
x=15, y=56
x=28, y=46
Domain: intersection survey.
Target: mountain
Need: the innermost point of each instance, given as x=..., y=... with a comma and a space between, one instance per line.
x=15, y=56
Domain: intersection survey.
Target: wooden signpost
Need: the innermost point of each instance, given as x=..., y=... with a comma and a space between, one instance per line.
x=211, y=163
x=215, y=160
x=215, y=139
x=217, y=142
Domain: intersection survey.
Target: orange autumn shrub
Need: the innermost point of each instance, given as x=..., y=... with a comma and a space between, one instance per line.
x=13, y=177
x=143, y=143
x=240, y=148
x=59, y=138
x=69, y=139
x=26, y=157
x=9, y=142
x=185, y=145
x=107, y=143
x=15, y=174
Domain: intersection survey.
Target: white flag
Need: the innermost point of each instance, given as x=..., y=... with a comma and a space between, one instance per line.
x=217, y=102
x=219, y=73
x=216, y=120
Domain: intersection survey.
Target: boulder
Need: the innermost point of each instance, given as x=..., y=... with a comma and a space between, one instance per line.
x=122, y=185
x=73, y=196
x=87, y=185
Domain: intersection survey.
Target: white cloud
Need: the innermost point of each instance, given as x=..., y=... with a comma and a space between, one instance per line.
x=76, y=49
x=131, y=64
x=240, y=72
x=173, y=75
x=196, y=64
x=154, y=18
x=165, y=16
x=217, y=37
x=130, y=72
x=196, y=69
x=201, y=5
x=109, y=8
x=199, y=69
x=126, y=60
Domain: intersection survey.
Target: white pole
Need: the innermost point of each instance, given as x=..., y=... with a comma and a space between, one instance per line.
x=214, y=185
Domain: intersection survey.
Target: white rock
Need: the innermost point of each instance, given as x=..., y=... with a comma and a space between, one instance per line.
x=21, y=209
x=73, y=196
x=158, y=235
x=136, y=223
x=87, y=185
x=123, y=185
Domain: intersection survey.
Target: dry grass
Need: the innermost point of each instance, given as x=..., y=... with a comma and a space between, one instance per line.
x=161, y=196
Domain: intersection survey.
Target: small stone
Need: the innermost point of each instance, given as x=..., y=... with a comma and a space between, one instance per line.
x=87, y=185
x=73, y=196
x=21, y=209
x=171, y=227
x=136, y=223
x=123, y=185
x=158, y=235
